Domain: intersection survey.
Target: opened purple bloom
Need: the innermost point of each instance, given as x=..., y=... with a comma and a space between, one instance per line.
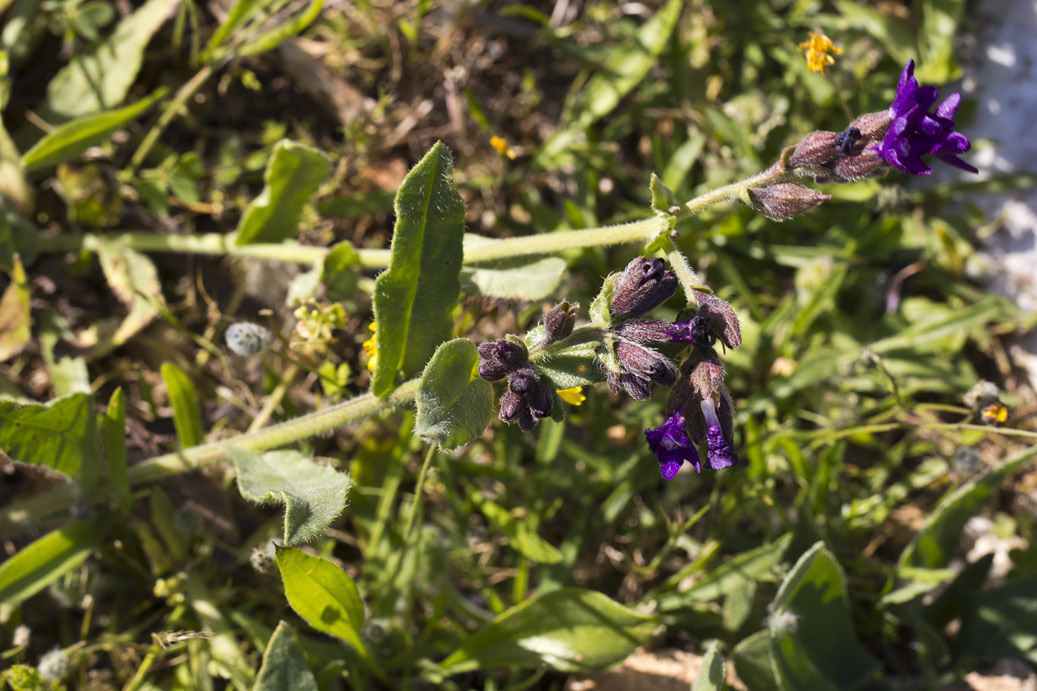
x=915, y=132
x=669, y=441
x=720, y=454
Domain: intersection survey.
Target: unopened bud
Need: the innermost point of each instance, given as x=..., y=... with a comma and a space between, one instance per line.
x=649, y=331
x=717, y=319
x=866, y=164
x=785, y=200
x=873, y=126
x=816, y=149
x=637, y=388
x=846, y=142
x=707, y=377
x=644, y=285
x=559, y=322
x=646, y=363
x=500, y=358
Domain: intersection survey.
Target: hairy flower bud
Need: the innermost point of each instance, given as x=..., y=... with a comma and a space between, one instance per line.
x=867, y=164
x=816, y=149
x=500, y=358
x=559, y=322
x=637, y=388
x=718, y=320
x=873, y=126
x=646, y=363
x=650, y=331
x=527, y=399
x=707, y=376
x=785, y=200
x=644, y=285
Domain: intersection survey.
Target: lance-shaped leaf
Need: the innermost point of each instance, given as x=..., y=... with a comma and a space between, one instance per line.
x=415, y=298
x=187, y=414
x=73, y=138
x=134, y=280
x=454, y=403
x=15, y=326
x=99, y=77
x=313, y=494
x=813, y=645
x=284, y=664
x=712, y=673
x=49, y=558
x=324, y=595
x=568, y=630
x=61, y=435
x=292, y=176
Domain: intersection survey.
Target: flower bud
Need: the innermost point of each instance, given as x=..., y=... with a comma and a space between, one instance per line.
x=650, y=331
x=846, y=142
x=644, y=285
x=707, y=376
x=513, y=409
x=873, y=126
x=559, y=322
x=785, y=200
x=637, y=388
x=527, y=399
x=866, y=164
x=646, y=363
x=717, y=320
x=500, y=358
x=816, y=149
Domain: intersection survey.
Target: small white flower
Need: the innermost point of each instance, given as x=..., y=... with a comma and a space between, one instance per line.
x=54, y=665
x=21, y=636
x=246, y=338
x=782, y=621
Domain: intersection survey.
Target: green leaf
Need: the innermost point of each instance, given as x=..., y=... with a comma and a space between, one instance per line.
x=49, y=558
x=753, y=664
x=113, y=435
x=414, y=300
x=520, y=535
x=24, y=678
x=519, y=278
x=281, y=31
x=98, y=78
x=1002, y=622
x=68, y=374
x=15, y=323
x=17, y=235
x=134, y=280
x=292, y=176
x=313, y=494
x=937, y=541
x=187, y=415
x=887, y=30
x=324, y=595
x=339, y=272
x=568, y=630
x=711, y=674
x=625, y=69
x=568, y=363
x=936, y=37
x=663, y=197
x=284, y=664
x=454, y=403
x=742, y=569
x=73, y=138
x=812, y=637
x=60, y=435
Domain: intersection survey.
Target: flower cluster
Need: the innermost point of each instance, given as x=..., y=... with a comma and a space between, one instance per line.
x=876, y=143
x=528, y=398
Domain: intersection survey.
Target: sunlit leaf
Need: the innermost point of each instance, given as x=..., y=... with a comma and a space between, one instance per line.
x=284, y=664
x=60, y=435
x=15, y=324
x=454, y=403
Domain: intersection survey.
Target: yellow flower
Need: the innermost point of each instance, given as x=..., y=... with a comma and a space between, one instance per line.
x=995, y=414
x=500, y=145
x=370, y=347
x=573, y=396
x=817, y=48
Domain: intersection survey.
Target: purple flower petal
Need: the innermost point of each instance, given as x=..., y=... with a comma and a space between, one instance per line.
x=669, y=442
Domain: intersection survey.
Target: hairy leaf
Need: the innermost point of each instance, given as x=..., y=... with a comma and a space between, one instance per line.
x=454, y=404
x=520, y=278
x=284, y=664
x=60, y=435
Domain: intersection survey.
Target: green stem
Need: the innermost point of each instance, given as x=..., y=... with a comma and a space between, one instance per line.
x=733, y=192
x=183, y=94
x=418, y=490
x=47, y=504
x=686, y=275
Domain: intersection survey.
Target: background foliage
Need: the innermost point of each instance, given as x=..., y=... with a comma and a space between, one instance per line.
x=257, y=134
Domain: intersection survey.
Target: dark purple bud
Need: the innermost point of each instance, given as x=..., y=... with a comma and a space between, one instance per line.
x=500, y=358
x=559, y=322
x=637, y=388
x=646, y=363
x=670, y=443
x=707, y=375
x=513, y=409
x=867, y=164
x=527, y=399
x=651, y=331
x=816, y=149
x=718, y=320
x=846, y=140
x=785, y=200
x=644, y=285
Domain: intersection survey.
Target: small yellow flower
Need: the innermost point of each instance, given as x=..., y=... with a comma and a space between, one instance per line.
x=573, y=396
x=995, y=414
x=370, y=347
x=817, y=48
x=500, y=145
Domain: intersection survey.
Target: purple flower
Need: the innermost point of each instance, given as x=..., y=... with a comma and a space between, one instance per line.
x=915, y=132
x=720, y=453
x=669, y=441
